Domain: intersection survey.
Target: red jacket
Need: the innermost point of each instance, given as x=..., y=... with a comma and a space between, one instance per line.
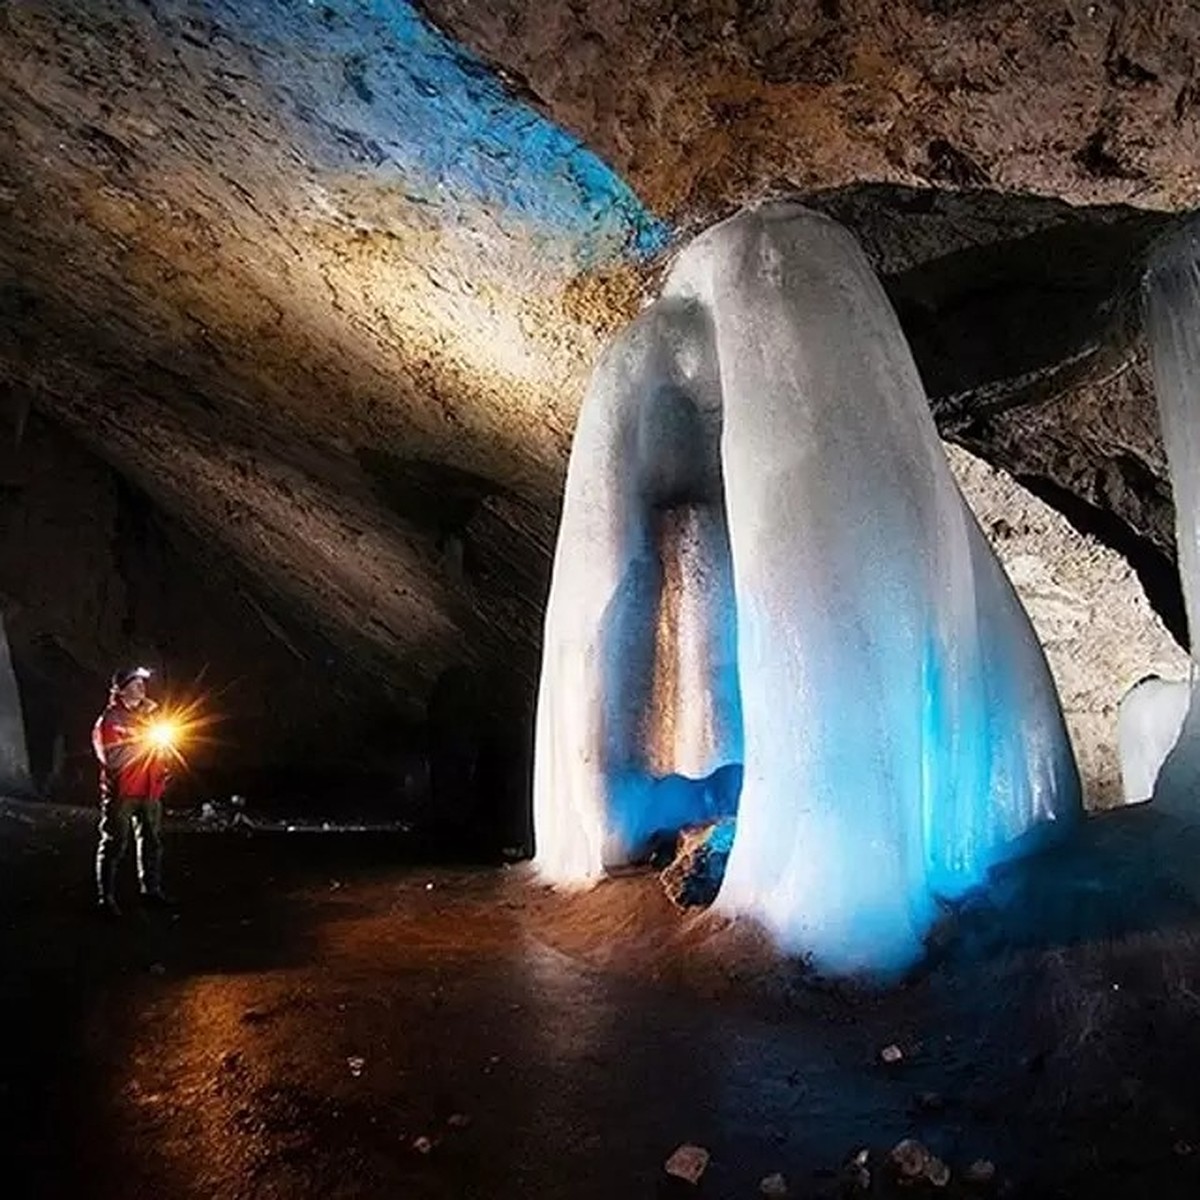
x=129, y=768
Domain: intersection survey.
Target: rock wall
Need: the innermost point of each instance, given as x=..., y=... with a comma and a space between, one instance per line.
x=324, y=283
x=92, y=575
x=704, y=103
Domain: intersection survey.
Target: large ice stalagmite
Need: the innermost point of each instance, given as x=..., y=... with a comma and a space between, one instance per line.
x=902, y=733
x=15, y=778
x=895, y=717
x=1172, y=293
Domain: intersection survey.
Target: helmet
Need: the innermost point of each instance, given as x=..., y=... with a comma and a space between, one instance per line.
x=124, y=675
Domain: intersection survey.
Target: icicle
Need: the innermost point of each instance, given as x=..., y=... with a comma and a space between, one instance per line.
x=1149, y=721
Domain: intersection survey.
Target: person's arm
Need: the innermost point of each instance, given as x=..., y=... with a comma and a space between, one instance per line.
x=114, y=740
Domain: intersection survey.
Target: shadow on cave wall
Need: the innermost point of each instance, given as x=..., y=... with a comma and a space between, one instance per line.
x=436, y=499
x=1005, y=300
x=93, y=574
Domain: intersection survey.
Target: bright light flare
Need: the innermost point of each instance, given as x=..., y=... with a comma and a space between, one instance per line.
x=172, y=730
x=163, y=735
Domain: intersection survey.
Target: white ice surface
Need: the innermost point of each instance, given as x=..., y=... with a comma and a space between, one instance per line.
x=1149, y=720
x=1172, y=291
x=871, y=665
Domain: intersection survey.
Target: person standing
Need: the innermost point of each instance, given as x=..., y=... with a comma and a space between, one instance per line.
x=134, y=773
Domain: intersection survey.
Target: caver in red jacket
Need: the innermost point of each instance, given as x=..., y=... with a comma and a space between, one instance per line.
x=130, y=770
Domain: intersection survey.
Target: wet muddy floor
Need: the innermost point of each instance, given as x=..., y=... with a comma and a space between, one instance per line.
x=326, y=1017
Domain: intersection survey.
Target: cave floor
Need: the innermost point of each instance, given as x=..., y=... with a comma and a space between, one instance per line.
x=323, y=1019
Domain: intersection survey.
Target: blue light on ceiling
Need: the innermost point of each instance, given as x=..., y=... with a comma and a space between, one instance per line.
x=381, y=91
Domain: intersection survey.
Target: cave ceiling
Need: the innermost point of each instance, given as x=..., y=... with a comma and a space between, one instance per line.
x=326, y=280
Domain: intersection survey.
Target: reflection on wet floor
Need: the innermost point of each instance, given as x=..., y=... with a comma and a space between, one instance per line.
x=323, y=1020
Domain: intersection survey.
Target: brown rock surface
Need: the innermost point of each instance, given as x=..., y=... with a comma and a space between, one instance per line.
x=704, y=103
x=356, y=394
x=1087, y=605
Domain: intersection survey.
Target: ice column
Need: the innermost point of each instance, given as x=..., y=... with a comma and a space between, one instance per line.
x=14, y=757
x=1172, y=293
x=898, y=726
x=902, y=733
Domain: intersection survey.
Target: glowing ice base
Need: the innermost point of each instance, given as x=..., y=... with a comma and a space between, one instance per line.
x=764, y=560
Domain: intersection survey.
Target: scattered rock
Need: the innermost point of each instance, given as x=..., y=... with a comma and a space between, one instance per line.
x=1184, y=1149
x=422, y=1145
x=773, y=1185
x=157, y=969
x=937, y=1172
x=980, y=1171
x=458, y=1120
x=687, y=1163
x=694, y=876
x=910, y=1159
x=929, y=1102
x=356, y=1065
x=891, y=1054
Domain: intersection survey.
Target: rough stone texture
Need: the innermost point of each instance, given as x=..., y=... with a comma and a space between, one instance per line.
x=701, y=103
x=1095, y=453
x=299, y=371
x=693, y=878
x=1090, y=612
x=116, y=582
x=233, y=267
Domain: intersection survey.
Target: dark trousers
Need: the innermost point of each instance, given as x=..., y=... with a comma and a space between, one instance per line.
x=116, y=817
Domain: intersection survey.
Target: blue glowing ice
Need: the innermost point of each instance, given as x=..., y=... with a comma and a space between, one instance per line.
x=639, y=721
x=866, y=659
x=379, y=90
